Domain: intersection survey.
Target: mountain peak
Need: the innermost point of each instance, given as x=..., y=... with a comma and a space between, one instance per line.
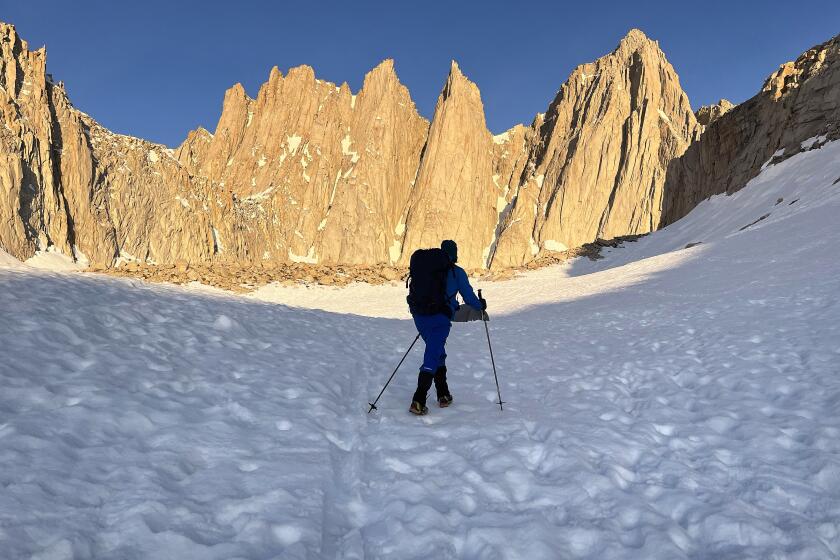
x=236, y=92
x=635, y=36
x=383, y=70
x=381, y=79
x=303, y=72
x=456, y=76
x=636, y=40
x=275, y=74
x=386, y=65
x=458, y=83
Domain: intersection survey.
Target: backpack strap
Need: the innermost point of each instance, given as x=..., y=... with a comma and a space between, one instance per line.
x=451, y=270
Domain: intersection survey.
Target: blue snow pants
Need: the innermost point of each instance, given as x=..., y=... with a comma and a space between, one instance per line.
x=433, y=329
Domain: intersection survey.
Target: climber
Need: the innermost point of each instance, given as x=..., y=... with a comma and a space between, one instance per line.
x=435, y=282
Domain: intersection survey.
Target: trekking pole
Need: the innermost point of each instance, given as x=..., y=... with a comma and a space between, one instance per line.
x=373, y=404
x=492, y=361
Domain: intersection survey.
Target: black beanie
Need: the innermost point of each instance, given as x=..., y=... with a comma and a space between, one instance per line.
x=451, y=249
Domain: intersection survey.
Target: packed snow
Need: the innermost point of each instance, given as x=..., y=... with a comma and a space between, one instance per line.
x=663, y=402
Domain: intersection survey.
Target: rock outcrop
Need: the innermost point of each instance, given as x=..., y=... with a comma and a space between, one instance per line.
x=707, y=114
x=454, y=196
x=316, y=174
x=597, y=158
x=799, y=102
x=71, y=185
x=32, y=204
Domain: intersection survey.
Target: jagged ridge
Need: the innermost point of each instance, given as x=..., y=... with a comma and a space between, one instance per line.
x=309, y=172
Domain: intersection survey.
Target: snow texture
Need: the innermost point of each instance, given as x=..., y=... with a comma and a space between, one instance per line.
x=661, y=403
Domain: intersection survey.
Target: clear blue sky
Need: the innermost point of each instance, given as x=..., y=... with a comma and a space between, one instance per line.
x=157, y=69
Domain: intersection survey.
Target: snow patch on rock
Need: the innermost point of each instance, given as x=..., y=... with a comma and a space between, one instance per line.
x=293, y=142
x=501, y=138
x=395, y=251
x=309, y=258
x=555, y=246
x=184, y=202
x=53, y=259
x=810, y=142
x=346, y=142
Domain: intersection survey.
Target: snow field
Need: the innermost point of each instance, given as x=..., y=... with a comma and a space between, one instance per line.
x=661, y=403
x=145, y=422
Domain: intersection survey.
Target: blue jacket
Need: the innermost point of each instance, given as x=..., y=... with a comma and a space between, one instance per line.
x=458, y=283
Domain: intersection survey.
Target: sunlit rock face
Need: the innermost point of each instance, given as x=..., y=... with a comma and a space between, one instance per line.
x=597, y=157
x=316, y=174
x=707, y=114
x=308, y=172
x=73, y=186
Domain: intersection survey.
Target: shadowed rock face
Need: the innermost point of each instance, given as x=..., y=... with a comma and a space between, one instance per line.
x=308, y=172
x=801, y=100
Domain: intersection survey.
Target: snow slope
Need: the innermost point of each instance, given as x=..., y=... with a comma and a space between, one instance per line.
x=7, y=261
x=661, y=403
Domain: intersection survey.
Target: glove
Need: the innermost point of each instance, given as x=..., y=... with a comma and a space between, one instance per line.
x=483, y=304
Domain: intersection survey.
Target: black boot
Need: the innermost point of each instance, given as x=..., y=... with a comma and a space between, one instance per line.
x=444, y=397
x=424, y=383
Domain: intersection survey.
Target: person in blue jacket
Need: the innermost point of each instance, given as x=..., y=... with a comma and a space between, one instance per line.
x=434, y=330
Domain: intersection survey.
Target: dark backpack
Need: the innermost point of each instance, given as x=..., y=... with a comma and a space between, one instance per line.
x=427, y=282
